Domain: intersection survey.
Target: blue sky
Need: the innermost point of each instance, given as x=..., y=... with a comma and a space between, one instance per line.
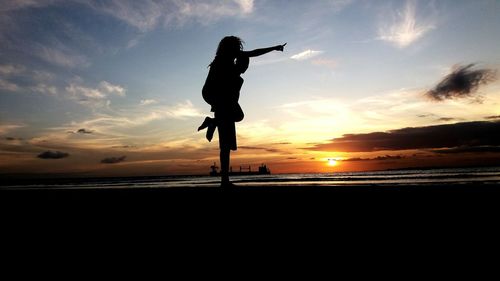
x=130, y=73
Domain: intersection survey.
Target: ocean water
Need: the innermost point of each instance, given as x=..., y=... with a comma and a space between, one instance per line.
x=489, y=175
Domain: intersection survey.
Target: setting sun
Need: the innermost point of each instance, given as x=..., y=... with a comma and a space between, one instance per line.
x=332, y=162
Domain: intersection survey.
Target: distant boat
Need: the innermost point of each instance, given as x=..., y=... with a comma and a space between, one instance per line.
x=244, y=171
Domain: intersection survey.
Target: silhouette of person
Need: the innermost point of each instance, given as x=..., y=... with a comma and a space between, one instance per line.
x=222, y=90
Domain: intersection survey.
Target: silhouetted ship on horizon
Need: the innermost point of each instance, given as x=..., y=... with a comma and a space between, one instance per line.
x=244, y=171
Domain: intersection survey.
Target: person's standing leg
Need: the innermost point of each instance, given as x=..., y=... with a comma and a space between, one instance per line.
x=225, y=154
x=227, y=142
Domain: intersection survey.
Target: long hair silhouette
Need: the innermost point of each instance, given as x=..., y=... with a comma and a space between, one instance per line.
x=230, y=45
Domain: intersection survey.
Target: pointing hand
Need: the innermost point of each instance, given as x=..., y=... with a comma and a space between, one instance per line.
x=280, y=47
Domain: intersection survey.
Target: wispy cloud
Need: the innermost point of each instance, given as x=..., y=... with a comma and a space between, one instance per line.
x=330, y=63
x=405, y=27
x=9, y=127
x=45, y=89
x=8, y=86
x=148, y=102
x=246, y=6
x=94, y=96
x=32, y=80
x=111, y=89
x=9, y=69
x=133, y=42
x=206, y=12
x=61, y=55
x=340, y=4
x=146, y=15
x=79, y=92
x=305, y=55
x=143, y=15
x=118, y=123
x=182, y=110
x=21, y=4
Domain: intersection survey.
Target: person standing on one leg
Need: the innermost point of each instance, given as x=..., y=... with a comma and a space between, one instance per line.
x=221, y=91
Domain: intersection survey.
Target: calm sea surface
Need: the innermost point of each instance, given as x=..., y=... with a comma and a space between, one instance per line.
x=490, y=175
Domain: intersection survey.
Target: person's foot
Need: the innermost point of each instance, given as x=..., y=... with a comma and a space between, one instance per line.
x=205, y=123
x=227, y=185
x=210, y=132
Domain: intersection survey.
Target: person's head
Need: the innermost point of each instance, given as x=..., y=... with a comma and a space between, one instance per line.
x=229, y=47
x=242, y=63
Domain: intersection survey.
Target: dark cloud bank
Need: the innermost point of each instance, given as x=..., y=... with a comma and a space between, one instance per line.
x=463, y=82
x=113, y=160
x=49, y=154
x=480, y=136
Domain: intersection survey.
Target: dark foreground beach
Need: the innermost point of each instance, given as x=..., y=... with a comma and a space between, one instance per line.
x=472, y=187
x=362, y=209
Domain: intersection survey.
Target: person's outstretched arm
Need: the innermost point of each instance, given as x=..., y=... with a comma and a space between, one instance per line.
x=262, y=51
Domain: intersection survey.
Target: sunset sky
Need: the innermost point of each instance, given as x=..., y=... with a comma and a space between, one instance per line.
x=108, y=88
